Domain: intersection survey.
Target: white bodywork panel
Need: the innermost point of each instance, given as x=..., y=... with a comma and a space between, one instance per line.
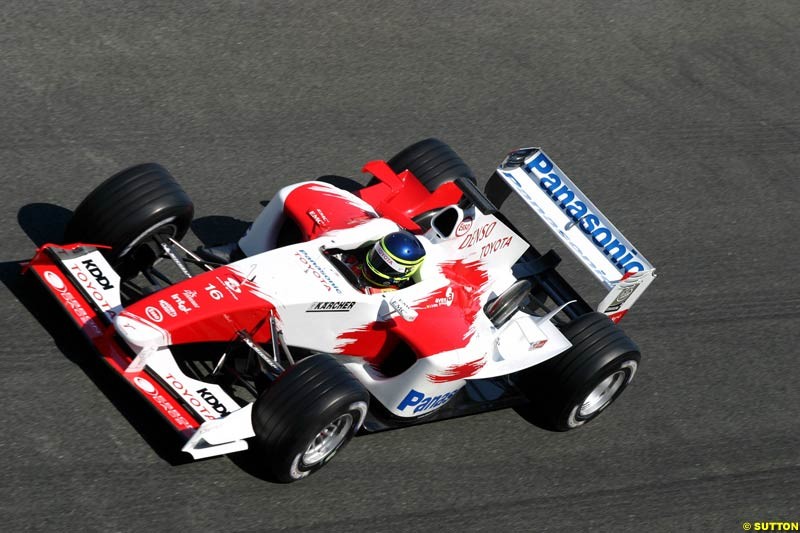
x=302, y=285
x=221, y=436
x=226, y=425
x=428, y=384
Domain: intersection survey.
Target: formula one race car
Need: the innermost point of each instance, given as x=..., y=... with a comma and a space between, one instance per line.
x=285, y=352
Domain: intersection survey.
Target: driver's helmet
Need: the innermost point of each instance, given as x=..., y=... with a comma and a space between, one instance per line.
x=393, y=259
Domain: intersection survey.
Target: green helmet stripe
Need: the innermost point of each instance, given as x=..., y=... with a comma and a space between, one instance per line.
x=373, y=270
x=378, y=272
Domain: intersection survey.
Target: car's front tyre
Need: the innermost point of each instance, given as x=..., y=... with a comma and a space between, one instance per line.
x=127, y=211
x=308, y=415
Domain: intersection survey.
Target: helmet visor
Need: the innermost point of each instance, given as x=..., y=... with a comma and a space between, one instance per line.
x=383, y=268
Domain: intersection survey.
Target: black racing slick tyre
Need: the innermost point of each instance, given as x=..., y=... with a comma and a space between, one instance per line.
x=432, y=162
x=128, y=209
x=310, y=413
x=574, y=387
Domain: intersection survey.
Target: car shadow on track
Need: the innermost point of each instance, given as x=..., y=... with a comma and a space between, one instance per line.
x=213, y=230
x=44, y=223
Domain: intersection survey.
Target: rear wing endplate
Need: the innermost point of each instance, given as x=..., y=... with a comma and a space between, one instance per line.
x=578, y=223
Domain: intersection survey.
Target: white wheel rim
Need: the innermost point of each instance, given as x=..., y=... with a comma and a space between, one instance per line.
x=327, y=441
x=602, y=394
x=164, y=224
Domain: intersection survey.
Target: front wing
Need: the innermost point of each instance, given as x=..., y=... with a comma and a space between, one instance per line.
x=85, y=285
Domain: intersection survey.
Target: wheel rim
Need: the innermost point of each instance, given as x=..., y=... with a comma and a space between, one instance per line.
x=328, y=440
x=165, y=227
x=602, y=394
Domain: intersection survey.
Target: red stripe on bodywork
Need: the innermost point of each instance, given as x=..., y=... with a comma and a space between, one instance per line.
x=443, y=323
x=372, y=341
x=456, y=372
x=163, y=401
x=317, y=211
x=616, y=317
x=440, y=326
x=209, y=307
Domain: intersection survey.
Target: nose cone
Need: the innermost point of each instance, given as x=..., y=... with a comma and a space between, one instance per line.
x=139, y=333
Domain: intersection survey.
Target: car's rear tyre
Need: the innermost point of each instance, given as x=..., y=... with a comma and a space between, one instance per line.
x=127, y=210
x=576, y=386
x=433, y=163
x=305, y=417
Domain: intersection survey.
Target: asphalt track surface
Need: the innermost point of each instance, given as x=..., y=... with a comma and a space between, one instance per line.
x=681, y=120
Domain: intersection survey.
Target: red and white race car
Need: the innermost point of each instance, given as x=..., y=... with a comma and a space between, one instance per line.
x=283, y=351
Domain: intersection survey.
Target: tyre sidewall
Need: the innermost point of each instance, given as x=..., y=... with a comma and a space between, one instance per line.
x=292, y=465
x=303, y=401
x=560, y=385
x=627, y=362
x=127, y=209
x=432, y=162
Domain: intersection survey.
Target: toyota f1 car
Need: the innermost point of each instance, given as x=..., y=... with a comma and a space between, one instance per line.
x=283, y=351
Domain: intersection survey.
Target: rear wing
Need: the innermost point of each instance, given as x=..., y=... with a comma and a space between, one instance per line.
x=578, y=223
